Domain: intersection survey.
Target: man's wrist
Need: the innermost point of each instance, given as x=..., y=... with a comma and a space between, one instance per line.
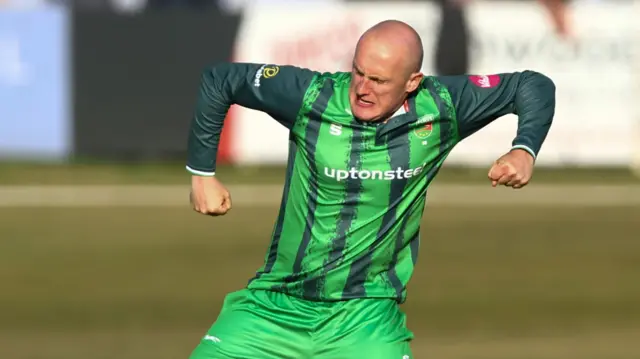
x=196, y=172
x=526, y=149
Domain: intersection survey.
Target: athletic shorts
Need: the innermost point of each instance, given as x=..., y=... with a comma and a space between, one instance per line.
x=257, y=324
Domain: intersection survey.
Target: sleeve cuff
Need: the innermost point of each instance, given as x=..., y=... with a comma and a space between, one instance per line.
x=526, y=148
x=200, y=173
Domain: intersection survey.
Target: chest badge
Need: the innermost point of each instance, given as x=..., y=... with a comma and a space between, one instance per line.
x=424, y=126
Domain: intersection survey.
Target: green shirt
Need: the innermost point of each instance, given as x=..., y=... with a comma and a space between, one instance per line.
x=354, y=194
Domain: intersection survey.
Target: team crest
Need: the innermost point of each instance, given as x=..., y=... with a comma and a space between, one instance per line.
x=425, y=126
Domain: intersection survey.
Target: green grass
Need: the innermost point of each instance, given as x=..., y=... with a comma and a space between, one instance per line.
x=499, y=283
x=174, y=173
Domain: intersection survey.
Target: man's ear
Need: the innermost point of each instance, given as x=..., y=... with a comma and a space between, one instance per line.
x=414, y=81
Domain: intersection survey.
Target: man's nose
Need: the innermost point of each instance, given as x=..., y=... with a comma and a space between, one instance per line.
x=363, y=87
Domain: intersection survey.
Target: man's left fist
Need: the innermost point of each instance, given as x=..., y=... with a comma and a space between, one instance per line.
x=514, y=169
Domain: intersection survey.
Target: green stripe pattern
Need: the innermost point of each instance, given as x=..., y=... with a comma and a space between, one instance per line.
x=349, y=222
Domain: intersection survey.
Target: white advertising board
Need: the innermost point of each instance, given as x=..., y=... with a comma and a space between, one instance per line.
x=595, y=72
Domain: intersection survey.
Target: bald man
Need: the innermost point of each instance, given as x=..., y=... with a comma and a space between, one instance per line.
x=364, y=147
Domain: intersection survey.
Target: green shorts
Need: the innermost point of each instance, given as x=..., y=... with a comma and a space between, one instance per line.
x=255, y=324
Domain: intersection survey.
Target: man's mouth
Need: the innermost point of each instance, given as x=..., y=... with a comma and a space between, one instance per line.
x=364, y=103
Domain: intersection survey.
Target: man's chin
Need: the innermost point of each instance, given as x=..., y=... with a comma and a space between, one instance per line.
x=365, y=117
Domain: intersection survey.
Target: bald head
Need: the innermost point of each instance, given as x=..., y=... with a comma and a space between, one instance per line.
x=386, y=69
x=394, y=38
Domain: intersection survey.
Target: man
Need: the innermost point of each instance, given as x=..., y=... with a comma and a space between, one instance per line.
x=364, y=147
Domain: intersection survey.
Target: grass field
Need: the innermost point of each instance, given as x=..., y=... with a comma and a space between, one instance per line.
x=508, y=281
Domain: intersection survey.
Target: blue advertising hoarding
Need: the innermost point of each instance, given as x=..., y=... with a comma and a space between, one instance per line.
x=35, y=119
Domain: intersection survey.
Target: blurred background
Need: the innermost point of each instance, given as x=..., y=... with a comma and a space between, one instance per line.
x=101, y=256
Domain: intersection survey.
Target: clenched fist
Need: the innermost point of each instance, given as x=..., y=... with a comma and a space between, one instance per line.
x=514, y=169
x=208, y=196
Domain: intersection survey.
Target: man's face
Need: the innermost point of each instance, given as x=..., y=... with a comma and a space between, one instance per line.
x=379, y=84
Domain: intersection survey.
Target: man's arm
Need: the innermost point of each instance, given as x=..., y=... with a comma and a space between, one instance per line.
x=275, y=90
x=479, y=100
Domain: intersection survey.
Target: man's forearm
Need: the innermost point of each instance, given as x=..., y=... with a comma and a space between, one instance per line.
x=203, y=142
x=535, y=107
x=214, y=99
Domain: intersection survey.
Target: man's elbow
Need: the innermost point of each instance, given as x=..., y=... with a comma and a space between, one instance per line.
x=541, y=81
x=537, y=92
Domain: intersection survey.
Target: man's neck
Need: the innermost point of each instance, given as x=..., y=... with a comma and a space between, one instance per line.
x=399, y=110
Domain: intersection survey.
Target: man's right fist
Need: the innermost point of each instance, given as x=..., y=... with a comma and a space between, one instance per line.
x=208, y=196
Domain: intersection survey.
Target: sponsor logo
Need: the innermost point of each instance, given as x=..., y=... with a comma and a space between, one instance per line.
x=271, y=71
x=389, y=175
x=265, y=71
x=335, y=129
x=485, y=81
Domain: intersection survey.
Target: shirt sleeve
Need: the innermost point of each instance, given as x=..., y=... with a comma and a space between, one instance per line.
x=479, y=100
x=276, y=90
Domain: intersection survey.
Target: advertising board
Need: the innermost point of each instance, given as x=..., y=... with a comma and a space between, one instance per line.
x=34, y=84
x=595, y=71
